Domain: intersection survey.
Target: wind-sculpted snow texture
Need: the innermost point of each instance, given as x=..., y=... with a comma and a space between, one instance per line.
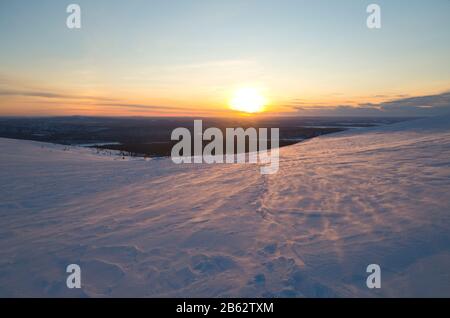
x=150, y=228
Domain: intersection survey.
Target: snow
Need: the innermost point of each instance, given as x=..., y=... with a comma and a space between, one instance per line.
x=150, y=228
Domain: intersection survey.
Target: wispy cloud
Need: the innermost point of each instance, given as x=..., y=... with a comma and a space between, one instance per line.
x=140, y=106
x=33, y=94
x=101, y=103
x=47, y=94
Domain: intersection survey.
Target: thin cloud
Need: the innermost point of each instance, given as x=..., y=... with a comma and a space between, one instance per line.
x=140, y=106
x=44, y=94
x=102, y=102
x=34, y=94
x=162, y=109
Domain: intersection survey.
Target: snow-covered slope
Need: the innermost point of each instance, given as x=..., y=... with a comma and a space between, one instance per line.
x=153, y=228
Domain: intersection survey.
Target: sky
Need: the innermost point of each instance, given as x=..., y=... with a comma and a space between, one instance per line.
x=189, y=57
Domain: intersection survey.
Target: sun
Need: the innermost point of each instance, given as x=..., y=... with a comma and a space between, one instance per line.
x=248, y=100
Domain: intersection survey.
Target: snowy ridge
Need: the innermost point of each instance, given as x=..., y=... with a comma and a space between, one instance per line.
x=152, y=228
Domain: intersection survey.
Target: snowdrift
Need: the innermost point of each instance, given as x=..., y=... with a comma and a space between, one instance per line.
x=150, y=228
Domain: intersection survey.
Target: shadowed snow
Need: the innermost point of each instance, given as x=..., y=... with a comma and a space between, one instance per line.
x=152, y=228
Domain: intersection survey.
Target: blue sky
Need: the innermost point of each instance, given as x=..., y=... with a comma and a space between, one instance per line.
x=194, y=53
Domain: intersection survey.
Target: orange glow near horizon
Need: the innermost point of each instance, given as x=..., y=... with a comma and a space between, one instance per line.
x=225, y=101
x=248, y=100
